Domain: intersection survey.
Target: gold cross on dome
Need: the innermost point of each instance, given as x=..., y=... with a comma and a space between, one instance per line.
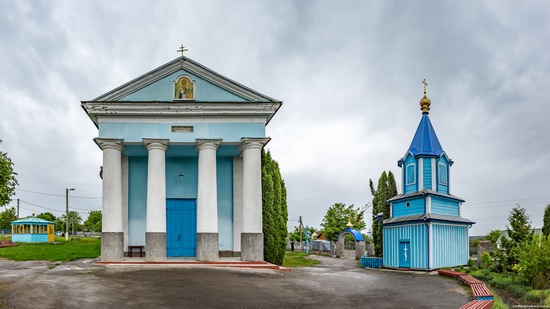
x=181, y=50
x=424, y=82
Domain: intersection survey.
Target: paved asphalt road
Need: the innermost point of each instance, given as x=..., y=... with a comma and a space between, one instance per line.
x=336, y=283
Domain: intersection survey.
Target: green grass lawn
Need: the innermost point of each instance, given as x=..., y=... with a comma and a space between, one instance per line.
x=298, y=259
x=60, y=250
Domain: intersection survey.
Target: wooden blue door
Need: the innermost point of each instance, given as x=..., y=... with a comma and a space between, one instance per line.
x=404, y=254
x=181, y=227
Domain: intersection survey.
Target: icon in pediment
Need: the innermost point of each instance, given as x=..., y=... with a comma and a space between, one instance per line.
x=184, y=88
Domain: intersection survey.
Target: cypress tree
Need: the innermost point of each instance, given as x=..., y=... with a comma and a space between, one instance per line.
x=386, y=189
x=546, y=221
x=274, y=211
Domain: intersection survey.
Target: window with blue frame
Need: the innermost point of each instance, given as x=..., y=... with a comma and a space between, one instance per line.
x=411, y=174
x=442, y=174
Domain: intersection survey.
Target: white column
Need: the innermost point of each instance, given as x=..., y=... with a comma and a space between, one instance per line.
x=207, y=197
x=155, y=228
x=125, y=199
x=112, y=236
x=252, y=184
x=112, y=184
x=251, y=236
x=156, y=185
x=237, y=202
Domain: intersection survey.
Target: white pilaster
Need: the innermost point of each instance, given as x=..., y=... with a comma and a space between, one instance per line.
x=124, y=169
x=237, y=202
x=428, y=204
x=207, y=197
x=434, y=180
x=420, y=174
x=112, y=184
x=252, y=183
x=156, y=185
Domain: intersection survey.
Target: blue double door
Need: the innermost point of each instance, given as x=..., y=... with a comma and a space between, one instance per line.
x=181, y=227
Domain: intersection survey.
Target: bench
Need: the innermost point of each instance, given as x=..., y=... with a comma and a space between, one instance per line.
x=478, y=304
x=131, y=250
x=7, y=243
x=469, y=280
x=449, y=273
x=481, y=292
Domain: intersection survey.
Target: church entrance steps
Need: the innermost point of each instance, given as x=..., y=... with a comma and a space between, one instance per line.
x=230, y=263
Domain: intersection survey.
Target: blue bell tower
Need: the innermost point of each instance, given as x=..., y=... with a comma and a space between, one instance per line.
x=425, y=229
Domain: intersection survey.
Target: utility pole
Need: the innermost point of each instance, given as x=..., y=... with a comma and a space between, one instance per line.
x=67, y=213
x=301, y=227
x=17, y=208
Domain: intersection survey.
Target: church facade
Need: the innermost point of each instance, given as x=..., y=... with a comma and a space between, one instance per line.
x=182, y=164
x=425, y=229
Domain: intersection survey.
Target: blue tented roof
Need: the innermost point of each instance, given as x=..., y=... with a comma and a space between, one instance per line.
x=425, y=140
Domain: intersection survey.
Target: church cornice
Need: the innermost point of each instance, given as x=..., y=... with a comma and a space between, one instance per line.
x=96, y=110
x=423, y=193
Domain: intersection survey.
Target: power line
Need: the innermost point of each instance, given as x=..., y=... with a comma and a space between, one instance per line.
x=51, y=209
x=59, y=195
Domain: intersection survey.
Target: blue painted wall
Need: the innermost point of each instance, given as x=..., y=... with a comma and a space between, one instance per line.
x=414, y=186
x=427, y=170
x=416, y=206
x=137, y=200
x=450, y=247
x=163, y=90
x=29, y=237
x=417, y=234
x=444, y=206
x=182, y=187
x=224, y=177
x=135, y=132
x=442, y=188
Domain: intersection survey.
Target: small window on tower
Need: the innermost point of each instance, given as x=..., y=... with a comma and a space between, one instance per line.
x=410, y=174
x=442, y=174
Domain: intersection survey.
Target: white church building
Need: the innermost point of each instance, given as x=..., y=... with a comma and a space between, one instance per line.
x=182, y=164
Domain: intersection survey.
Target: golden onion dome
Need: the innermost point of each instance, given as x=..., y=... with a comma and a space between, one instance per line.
x=425, y=102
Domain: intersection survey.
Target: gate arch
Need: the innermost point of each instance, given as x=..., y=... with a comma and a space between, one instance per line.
x=359, y=242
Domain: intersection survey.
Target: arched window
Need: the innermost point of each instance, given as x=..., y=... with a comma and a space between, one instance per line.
x=411, y=174
x=442, y=174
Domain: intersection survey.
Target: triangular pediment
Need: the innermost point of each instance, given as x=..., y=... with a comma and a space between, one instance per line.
x=160, y=85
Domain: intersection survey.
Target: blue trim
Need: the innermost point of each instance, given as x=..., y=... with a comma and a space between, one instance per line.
x=356, y=234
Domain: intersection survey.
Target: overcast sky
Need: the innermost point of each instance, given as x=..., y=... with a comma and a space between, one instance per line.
x=349, y=74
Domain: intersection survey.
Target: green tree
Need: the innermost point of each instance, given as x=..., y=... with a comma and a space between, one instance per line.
x=47, y=216
x=338, y=215
x=8, y=182
x=534, y=262
x=295, y=234
x=519, y=233
x=74, y=221
x=93, y=222
x=6, y=217
x=274, y=210
x=546, y=222
x=493, y=236
x=386, y=189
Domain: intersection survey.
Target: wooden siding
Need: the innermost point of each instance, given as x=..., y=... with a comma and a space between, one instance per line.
x=416, y=206
x=410, y=188
x=417, y=234
x=443, y=206
x=427, y=170
x=450, y=245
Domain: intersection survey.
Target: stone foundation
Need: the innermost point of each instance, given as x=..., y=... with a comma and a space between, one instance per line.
x=112, y=246
x=155, y=244
x=207, y=247
x=252, y=246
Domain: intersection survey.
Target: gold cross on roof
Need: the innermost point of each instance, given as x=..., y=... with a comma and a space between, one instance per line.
x=182, y=49
x=424, y=82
